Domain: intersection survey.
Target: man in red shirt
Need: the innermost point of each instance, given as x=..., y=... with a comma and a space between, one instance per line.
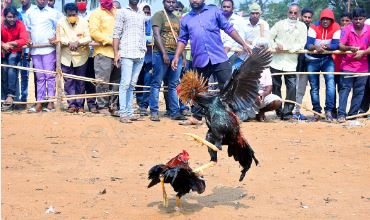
x=13, y=37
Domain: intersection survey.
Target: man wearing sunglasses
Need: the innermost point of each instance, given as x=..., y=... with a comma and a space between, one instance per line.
x=287, y=35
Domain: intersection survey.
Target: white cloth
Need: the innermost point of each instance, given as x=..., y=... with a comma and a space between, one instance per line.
x=266, y=79
x=42, y=26
x=85, y=15
x=367, y=21
x=269, y=99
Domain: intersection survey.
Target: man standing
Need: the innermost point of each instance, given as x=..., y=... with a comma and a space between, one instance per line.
x=257, y=29
x=166, y=28
x=145, y=76
x=41, y=22
x=287, y=35
x=74, y=37
x=322, y=36
x=82, y=9
x=101, y=23
x=202, y=25
x=355, y=37
x=129, y=44
x=51, y=4
x=306, y=18
x=25, y=59
x=239, y=24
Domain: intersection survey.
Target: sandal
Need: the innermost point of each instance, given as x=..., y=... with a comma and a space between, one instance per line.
x=48, y=110
x=35, y=109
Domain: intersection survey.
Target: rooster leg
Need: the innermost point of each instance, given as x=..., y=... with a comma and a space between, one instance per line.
x=165, y=199
x=217, y=142
x=178, y=203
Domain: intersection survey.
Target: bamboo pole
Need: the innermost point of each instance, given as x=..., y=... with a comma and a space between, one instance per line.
x=32, y=102
x=349, y=6
x=317, y=73
x=358, y=115
x=232, y=49
x=59, y=75
x=303, y=106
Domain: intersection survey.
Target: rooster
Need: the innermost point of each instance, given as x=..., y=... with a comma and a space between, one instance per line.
x=178, y=173
x=222, y=109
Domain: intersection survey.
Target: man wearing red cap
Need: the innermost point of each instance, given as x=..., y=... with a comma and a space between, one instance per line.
x=101, y=23
x=322, y=36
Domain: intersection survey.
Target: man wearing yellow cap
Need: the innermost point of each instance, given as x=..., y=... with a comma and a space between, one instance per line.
x=257, y=29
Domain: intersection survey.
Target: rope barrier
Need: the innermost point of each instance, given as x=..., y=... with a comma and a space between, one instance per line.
x=234, y=49
x=323, y=73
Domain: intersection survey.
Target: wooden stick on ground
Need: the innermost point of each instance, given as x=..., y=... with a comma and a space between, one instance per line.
x=202, y=141
x=303, y=106
x=358, y=115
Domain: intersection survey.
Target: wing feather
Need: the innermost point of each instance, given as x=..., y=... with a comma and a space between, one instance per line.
x=241, y=90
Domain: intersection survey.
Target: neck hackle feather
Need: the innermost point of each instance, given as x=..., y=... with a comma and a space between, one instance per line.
x=191, y=84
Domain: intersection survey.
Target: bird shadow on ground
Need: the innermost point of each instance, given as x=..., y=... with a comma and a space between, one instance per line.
x=220, y=196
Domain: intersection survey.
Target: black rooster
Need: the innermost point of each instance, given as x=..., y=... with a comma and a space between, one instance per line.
x=178, y=173
x=222, y=109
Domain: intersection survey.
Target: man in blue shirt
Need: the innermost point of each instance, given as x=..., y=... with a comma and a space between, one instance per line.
x=202, y=25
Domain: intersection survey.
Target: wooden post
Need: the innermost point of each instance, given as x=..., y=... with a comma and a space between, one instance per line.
x=59, y=75
x=349, y=6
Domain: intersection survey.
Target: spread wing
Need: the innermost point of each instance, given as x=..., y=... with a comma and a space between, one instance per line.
x=241, y=90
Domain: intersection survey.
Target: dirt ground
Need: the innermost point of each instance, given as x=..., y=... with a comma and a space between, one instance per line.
x=94, y=167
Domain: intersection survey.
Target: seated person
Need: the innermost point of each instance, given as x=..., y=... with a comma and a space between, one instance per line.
x=266, y=101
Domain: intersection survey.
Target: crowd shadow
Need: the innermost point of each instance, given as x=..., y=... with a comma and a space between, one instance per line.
x=192, y=202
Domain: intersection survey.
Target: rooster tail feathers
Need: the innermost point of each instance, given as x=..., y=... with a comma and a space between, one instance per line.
x=243, y=153
x=191, y=84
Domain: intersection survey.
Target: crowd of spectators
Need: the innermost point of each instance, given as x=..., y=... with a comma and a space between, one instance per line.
x=146, y=53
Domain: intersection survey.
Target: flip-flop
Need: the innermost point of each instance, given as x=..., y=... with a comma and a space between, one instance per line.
x=190, y=122
x=48, y=110
x=32, y=110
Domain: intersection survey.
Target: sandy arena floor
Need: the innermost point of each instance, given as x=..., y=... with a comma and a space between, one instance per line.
x=64, y=162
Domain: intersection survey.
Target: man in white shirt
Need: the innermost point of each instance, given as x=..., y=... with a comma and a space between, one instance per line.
x=287, y=35
x=41, y=22
x=239, y=24
x=257, y=29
